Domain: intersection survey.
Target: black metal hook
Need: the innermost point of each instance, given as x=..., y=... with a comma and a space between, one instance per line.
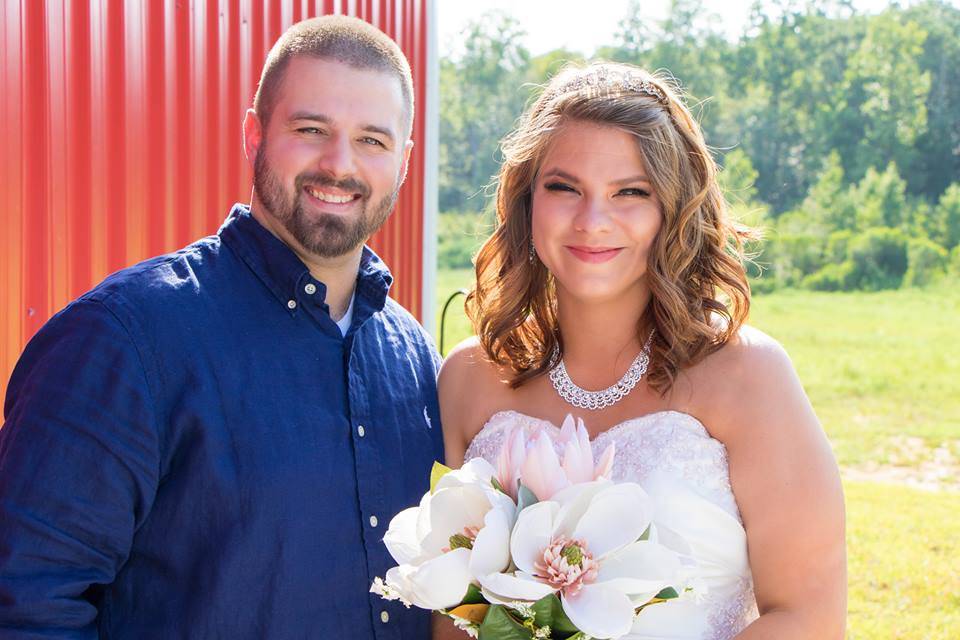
x=443, y=314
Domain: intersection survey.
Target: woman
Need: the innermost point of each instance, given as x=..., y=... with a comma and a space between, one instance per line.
x=614, y=267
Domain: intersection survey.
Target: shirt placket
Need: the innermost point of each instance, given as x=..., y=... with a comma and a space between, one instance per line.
x=372, y=474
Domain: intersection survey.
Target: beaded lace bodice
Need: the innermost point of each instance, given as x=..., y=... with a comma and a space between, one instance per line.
x=685, y=471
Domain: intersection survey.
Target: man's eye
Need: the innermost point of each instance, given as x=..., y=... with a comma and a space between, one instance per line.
x=310, y=130
x=559, y=186
x=372, y=141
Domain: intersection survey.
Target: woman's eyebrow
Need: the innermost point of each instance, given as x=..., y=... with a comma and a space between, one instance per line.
x=636, y=178
x=559, y=173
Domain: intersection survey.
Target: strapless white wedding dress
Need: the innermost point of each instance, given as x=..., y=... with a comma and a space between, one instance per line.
x=672, y=456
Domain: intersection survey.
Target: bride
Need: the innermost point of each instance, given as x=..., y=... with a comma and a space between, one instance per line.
x=613, y=289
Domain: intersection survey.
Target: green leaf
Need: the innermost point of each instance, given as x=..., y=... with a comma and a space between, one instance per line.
x=667, y=594
x=548, y=611
x=646, y=534
x=500, y=625
x=525, y=498
x=437, y=472
x=496, y=484
x=473, y=596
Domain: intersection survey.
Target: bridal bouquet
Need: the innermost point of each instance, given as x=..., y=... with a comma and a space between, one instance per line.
x=535, y=548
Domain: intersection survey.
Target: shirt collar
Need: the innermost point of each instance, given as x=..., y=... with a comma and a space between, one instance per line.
x=282, y=272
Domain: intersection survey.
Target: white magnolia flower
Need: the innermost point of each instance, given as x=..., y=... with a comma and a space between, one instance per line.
x=459, y=531
x=584, y=545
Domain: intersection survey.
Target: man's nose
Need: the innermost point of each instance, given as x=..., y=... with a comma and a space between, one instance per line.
x=338, y=158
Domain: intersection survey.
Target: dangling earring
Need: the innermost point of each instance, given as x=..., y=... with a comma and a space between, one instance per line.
x=533, y=252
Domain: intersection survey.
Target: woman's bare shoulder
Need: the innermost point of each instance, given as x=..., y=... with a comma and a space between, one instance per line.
x=753, y=354
x=471, y=389
x=748, y=377
x=467, y=365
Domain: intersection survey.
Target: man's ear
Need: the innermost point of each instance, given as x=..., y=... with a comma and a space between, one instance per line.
x=407, y=148
x=252, y=136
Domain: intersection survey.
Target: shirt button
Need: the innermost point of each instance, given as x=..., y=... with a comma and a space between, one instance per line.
x=361, y=431
x=373, y=521
x=291, y=304
x=310, y=288
x=384, y=617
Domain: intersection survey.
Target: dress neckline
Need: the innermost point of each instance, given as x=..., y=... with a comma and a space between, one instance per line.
x=620, y=426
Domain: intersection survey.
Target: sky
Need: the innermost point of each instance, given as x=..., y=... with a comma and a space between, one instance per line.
x=551, y=24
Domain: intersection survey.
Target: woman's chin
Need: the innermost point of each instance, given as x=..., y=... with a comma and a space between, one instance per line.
x=596, y=292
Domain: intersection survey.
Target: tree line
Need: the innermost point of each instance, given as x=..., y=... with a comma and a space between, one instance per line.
x=838, y=133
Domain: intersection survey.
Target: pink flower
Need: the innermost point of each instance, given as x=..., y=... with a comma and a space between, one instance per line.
x=532, y=460
x=510, y=459
x=566, y=565
x=541, y=471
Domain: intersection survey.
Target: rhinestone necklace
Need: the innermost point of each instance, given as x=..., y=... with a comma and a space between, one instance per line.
x=596, y=400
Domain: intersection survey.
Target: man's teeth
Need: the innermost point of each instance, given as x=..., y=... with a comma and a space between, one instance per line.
x=329, y=197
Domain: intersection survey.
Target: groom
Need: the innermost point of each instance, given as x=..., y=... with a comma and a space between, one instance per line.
x=211, y=444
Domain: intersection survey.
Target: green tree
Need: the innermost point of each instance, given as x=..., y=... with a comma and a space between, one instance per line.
x=828, y=203
x=541, y=68
x=955, y=262
x=880, y=199
x=947, y=217
x=836, y=276
x=686, y=46
x=878, y=259
x=926, y=262
x=738, y=178
x=481, y=96
x=937, y=161
x=785, y=84
x=838, y=246
x=884, y=94
x=792, y=256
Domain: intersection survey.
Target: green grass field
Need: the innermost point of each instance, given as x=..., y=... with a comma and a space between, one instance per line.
x=882, y=372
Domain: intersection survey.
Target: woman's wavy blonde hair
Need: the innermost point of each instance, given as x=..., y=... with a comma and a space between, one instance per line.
x=695, y=271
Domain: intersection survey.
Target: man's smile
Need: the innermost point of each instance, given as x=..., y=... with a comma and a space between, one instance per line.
x=331, y=197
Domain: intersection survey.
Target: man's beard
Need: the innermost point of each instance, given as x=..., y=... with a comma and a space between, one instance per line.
x=325, y=235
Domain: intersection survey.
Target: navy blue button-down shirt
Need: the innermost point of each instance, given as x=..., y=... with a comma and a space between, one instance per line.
x=193, y=450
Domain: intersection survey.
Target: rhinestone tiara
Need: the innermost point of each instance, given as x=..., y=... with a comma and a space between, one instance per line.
x=605, y=80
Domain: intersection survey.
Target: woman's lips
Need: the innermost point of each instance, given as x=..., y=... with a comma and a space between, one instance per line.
x=594, y=254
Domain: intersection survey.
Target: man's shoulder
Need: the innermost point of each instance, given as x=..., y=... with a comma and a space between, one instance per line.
x=399, y=314
x=399, y=320
x=161, y=281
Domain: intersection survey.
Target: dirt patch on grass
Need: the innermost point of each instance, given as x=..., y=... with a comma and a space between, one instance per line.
x=912, y=462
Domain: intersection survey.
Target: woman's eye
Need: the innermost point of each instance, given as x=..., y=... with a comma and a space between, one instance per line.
x=633, y=192
x=559, y=186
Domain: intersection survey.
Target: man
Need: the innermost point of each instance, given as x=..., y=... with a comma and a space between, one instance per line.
x=211, y=444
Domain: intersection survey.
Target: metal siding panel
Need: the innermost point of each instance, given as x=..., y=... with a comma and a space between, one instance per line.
x=12, y=171
x=78, y=141
x=34, y=206
x=122, y=124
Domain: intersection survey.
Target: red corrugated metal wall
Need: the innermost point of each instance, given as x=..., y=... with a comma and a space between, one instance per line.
x=121, y=131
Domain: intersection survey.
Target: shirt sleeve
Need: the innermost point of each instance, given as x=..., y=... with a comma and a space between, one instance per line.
x=79, y=466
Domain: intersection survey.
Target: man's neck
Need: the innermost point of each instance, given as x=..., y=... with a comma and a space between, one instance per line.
x=339, y=275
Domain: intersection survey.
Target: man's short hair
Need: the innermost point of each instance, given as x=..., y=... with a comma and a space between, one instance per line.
x=343, y=39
